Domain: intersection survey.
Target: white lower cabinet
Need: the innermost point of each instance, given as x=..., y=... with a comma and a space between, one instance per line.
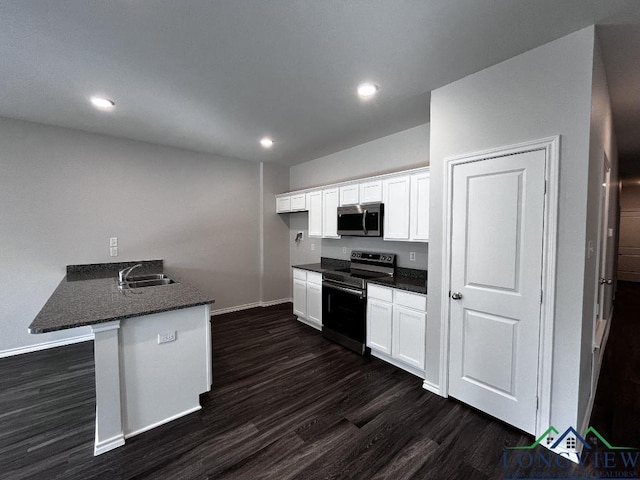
x=379, y=320
x=314, y=303
x=408, y=336
x=307, y=297
x=299, y=297
x=396, y=323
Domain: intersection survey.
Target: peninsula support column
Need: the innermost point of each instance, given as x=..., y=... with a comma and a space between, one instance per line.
x=109, y=432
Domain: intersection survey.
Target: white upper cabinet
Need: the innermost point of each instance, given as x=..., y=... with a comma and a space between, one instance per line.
x=419, y=208
x=396, y=200
x=349, y=195
x=330, y=202
x=405, y=196
x=283, y=204
x=298, y=202
x=371, y=191
x=314, y=203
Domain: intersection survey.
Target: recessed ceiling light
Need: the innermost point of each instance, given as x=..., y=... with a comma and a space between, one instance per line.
x=102, y=103
x=367, y=90
x=266, y=142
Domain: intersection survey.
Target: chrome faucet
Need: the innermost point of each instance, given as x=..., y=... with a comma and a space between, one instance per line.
x=124, y=273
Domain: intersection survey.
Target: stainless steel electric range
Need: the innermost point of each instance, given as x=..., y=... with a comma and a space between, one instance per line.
x=344, y=298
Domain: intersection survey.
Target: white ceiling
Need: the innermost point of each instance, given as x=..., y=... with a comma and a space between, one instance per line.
x=215, y=76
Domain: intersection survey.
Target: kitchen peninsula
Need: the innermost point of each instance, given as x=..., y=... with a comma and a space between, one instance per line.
x=152, y=346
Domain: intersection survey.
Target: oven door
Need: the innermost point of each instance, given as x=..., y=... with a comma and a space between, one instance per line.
x=344, y=316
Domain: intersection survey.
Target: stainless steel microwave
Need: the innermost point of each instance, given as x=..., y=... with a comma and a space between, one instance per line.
x=361, y=220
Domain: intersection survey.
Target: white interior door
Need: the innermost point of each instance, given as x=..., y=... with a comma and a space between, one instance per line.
x=605, y=272
x=496, y=269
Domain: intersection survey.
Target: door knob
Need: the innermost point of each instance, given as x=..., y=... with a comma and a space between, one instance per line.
x=609, y=282
x=456, y=295
x=602, y=281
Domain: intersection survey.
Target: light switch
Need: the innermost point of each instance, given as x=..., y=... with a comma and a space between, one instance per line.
x=113, y=251
x=113, y=242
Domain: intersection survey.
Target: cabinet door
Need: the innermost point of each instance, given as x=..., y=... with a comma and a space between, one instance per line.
x=298, y=202
x=330, y=213
x=314, y=203
x=408, y=336
x=283, y=204
x=349, y=195
x=371, y=191
x=420, y=183
x=396, y=208
x=379, y=320
x=314, y=303
x=300, y=298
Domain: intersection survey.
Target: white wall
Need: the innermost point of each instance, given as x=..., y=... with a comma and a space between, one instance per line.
x=399, y=151
x=275, y=283
x=602, y=141
x=64, y=193
x=543, y=92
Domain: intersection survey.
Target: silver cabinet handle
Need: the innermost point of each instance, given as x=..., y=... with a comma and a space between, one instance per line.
x=456, y=295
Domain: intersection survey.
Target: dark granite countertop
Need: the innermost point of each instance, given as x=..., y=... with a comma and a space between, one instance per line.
x=311, y=267
x=88, y=296
x=410, y=284
x=325, y=264
x=408, y=279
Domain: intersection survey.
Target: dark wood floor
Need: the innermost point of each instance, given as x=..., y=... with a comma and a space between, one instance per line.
x=286, y=404
x=616, y=412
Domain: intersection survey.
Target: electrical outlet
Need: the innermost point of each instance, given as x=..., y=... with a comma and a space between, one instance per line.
x=412, y=256
x=313, y=247
x=113, y=242
x=113, y=251
x=300, y=236
x=167, y=337
x=344, y=249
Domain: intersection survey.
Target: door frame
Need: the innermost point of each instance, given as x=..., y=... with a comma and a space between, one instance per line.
x=551, y=147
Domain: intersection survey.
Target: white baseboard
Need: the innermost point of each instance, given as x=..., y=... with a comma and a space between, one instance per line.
x=432, y=387
x=247, y=306
x=45, y=345
x=411, y=369
x=108, y=445
x=270, y=303
x=162, y=422
x=310, y=323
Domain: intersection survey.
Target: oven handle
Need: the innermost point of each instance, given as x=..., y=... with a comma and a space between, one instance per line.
x=350, y=291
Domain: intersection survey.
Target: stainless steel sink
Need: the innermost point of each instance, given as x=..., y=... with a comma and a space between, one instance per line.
x=141, y=281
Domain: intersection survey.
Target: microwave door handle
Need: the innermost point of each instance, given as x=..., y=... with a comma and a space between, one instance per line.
x=364, y=221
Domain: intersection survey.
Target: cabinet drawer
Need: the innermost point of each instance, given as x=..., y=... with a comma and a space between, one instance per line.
x=410, y=300
x=314, y=277
x=381, y=293
x=299, y=274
